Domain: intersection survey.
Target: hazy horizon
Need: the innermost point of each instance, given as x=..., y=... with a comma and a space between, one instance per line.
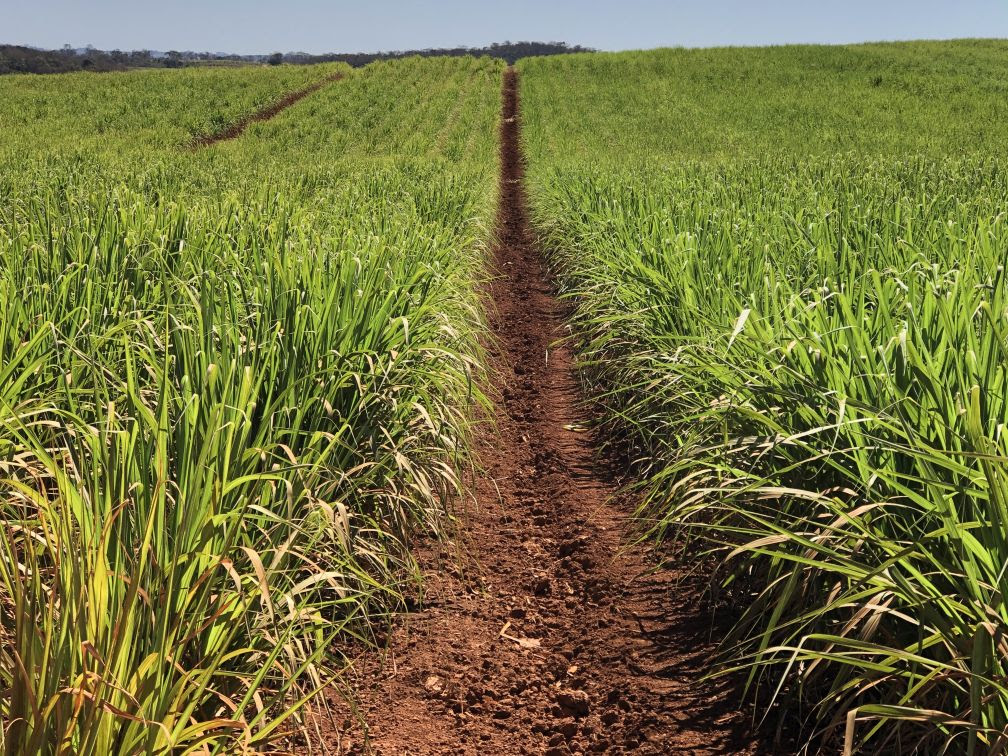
x=570, y=43
x=314, y=26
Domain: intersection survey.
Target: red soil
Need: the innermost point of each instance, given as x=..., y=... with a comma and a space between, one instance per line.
x=539, y=631
x=236, y=129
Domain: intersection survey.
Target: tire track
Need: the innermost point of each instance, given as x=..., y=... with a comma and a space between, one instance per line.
x=236, y=129
x=547, y=637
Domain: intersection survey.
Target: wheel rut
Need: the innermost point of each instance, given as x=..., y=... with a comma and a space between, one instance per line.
x=540, y=633
x=236, y=129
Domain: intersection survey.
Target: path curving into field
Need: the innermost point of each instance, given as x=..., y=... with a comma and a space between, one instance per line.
x=272, y=110
x=539, y=634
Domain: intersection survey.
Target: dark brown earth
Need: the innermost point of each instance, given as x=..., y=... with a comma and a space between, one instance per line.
x=539, y=633
x=236, y=129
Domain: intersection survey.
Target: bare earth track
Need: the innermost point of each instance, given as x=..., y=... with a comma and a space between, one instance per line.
x=549, y=638
x=236, y=129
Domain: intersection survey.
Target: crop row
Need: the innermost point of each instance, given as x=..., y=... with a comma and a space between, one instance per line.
x=804, y=354
x=233, y=384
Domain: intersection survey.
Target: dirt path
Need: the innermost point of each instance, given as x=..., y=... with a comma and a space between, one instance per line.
x=549, y=638
x=236, y=129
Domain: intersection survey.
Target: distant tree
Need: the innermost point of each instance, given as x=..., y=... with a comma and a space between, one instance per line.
x=275, y=59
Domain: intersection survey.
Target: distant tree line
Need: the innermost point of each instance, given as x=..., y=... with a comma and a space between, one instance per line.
x=20, y=59
x=509, y=51
x=16, y=59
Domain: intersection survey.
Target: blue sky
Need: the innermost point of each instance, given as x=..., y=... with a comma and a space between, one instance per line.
x=254, y=26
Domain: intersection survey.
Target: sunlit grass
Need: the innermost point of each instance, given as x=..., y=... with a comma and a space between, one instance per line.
x=804, y=356
x=234, y=385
